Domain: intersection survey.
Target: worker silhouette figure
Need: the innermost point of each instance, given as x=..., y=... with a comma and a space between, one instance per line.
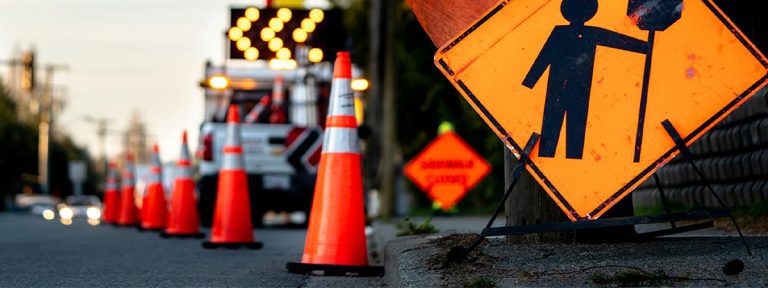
x=570, y=55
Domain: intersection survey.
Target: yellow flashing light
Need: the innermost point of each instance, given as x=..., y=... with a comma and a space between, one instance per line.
x=251, y=54
x=252, y=14
x=267, y=34
x=360, y=84
x=316, y=15
x=243, y=43
x=276, y=24
x=275, y=44
x=279, y=64
x=243, y=23
x=235, y=33
x=218, y=82
x=299, y=35
x=283, y=54
x=308, y=25
x=315, y=55
x=284, y=14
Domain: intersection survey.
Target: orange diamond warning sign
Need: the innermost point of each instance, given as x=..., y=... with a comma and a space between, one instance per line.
x=446, y=169
x=596, y=78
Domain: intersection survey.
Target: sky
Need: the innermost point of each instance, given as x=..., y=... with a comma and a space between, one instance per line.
x=124, y=56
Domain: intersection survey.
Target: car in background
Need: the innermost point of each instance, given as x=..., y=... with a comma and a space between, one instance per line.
x=37, y=204
x=80, y=206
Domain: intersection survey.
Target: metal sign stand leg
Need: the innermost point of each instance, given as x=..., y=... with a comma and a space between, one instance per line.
x=688, y=157
x=459, y=252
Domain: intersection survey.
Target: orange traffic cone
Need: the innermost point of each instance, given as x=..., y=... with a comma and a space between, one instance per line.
x=183, y=220
x=111, y=196
x=155, y=207
x=128, y=213
x=277, y=112
x=232, y=227
x=257, y=110
x=335, y=241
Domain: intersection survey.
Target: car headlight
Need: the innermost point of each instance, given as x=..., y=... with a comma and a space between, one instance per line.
x=48, y=214
x=66, y=213
x=93, y=213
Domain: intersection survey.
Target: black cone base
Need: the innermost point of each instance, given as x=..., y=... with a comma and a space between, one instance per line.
x=335, y=270
x=233, y=245
x=190, y=235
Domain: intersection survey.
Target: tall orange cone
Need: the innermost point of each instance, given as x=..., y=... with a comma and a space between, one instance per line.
x=128, y=213
x=183, y=220
x=155, y=208
x=232, y=227
x=335, y=241
x=111, y=196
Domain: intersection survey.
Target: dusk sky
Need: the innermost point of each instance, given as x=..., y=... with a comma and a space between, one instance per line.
x=124, y=56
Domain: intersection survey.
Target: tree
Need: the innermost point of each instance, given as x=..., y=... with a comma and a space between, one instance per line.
x=18, y=149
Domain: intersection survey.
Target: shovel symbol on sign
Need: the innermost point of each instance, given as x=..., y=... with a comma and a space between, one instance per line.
x=651, y=15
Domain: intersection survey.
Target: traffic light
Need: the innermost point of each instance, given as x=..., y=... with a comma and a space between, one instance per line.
x=28, y=71
x=274, y=33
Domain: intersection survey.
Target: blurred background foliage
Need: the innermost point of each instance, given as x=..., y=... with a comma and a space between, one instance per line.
x=18, y=157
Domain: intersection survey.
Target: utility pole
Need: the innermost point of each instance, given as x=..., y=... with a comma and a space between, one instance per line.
x=44, y=127
x=101, y=131
x=382, y=146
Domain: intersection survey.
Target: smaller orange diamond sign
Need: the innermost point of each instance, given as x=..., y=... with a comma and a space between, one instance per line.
x=446, y=169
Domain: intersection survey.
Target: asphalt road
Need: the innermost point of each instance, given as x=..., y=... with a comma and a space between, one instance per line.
x=39, y=253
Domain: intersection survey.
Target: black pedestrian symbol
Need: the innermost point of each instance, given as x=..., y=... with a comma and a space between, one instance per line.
x=570, y=55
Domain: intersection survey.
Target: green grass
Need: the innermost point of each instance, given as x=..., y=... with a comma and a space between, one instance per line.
x=759, y=209
x=659, y=209
x=407, y=228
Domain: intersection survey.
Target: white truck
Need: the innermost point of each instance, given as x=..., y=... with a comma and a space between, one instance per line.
x=280, y=158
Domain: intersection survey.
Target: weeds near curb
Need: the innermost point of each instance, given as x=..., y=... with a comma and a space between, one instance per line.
x=407, y=228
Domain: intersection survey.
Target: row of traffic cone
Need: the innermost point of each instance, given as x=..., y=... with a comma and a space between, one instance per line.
x=335, y=242
x=182, y=219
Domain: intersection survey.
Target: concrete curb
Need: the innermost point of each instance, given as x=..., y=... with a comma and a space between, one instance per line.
x=401, y=259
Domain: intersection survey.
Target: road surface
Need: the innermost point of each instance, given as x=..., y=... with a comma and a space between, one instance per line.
x=39, y=253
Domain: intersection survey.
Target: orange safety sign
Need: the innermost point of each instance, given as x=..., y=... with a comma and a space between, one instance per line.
x=446, y=169
x=596, y=79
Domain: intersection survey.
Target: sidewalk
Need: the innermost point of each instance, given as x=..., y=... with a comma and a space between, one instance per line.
x=695, y=259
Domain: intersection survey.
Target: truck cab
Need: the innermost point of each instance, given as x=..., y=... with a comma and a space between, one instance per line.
x=281, y=151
